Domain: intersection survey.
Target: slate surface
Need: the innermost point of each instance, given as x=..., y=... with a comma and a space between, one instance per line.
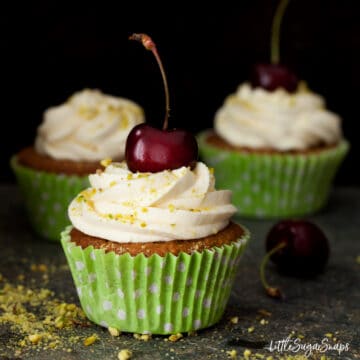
x=329, y=303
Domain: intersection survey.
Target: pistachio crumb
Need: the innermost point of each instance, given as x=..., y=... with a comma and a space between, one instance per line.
x=234, y=320
x=106, y=162
x=143, y=337
x=113, y=331
x=231, y=354
x=329, y=335
x=35, y=338
x=259, y=356
x=247, y=354
x=175, y=337
x=358, y=259
x=90, y=340
x=124, y=354
x=251, y=329
x=263, y=322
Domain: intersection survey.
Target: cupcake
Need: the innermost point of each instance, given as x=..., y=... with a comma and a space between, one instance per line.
x=278, y=151
x=153, y=252
x=70, y=142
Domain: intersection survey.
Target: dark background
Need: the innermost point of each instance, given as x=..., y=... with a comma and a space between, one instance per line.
x=50, y=49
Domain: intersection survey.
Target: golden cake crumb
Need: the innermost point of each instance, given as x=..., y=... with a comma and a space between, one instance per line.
x=247, y=354
x=35, y=338
x=143, y=337
x=124, y=354
x=263, y=322
x=90, y=340
x=232, y=354
x=175, y=337
x=113, y=331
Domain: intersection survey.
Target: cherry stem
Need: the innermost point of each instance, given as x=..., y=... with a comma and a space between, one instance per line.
x=149, y=44
x=275, y=31
x=272, y=291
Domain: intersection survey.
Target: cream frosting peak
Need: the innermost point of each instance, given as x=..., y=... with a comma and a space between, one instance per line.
x=180, y=204
x=257, y=118
x=89, y=126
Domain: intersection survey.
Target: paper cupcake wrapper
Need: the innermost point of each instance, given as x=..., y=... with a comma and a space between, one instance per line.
x=274, y=185
x=157, y=295
x=47, y=197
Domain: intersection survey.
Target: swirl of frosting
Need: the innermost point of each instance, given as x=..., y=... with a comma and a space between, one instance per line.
x=180, y=204
x=90, y=126
x=260, y=119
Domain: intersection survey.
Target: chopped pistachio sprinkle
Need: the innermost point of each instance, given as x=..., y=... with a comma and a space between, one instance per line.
x=106, y=162
x=36, y=315
x=90, y=340
x=113, y=331
x=232, y=354
x=124, y=354
x=175, y=337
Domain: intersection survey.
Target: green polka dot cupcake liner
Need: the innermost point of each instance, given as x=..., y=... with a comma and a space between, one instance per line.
x=47, y=197
x=154, y=295
x=274, y=185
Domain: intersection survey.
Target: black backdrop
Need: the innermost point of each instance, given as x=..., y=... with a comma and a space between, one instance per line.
x=50, y=49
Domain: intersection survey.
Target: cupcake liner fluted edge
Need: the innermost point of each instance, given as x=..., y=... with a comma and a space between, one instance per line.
x=47, y=197
x=274, y=185
x=157, y=295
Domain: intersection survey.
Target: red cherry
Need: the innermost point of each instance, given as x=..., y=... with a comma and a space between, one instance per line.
x=152, y=150
x=298, y=248
x=274, y=76
x=306, y=249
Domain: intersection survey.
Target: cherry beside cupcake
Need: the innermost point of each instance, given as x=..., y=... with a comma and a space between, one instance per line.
x=70, y=143
x=152, y=248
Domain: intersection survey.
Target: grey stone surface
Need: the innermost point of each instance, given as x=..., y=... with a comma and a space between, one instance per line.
x=329, y=303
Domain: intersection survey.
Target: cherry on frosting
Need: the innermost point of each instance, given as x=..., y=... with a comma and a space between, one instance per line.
x=152, y=150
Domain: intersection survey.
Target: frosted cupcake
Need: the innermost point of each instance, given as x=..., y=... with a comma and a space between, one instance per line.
x=70, y=143
x=277, y=151
x=153, y=252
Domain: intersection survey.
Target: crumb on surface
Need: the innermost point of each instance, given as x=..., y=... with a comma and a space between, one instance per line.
x=247, y=354
x=231, y=354
x=113, y=331
x=263, y=322
x=251, y=329
x=36, y=316
x=90, y=340
x=175, y=337
x=124, y=354
x=35, y=338
x=143, y=337
x=234, y=319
